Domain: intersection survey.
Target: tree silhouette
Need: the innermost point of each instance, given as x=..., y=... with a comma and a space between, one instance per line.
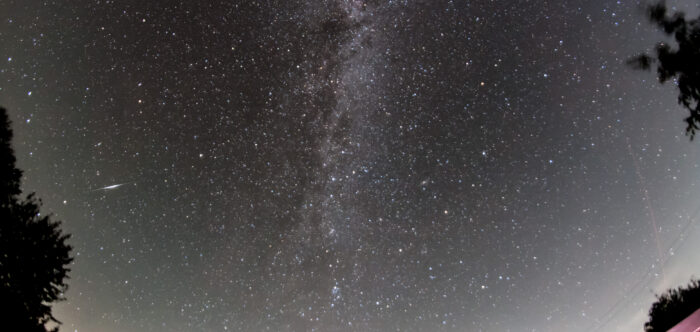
x=682, y=64
x=33, y=251
x=673, y=306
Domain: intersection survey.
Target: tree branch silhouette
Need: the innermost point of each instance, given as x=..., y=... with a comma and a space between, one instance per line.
x=33, y=251
x=682, y=65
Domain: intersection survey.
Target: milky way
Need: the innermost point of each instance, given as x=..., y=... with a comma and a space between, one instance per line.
x=348, y=165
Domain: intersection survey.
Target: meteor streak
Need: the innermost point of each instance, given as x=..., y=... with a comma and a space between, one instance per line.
x=111, y=187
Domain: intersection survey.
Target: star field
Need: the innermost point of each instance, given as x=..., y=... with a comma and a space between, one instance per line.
x=352, y=165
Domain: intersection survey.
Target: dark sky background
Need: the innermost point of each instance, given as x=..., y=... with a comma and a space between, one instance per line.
x=350, y=165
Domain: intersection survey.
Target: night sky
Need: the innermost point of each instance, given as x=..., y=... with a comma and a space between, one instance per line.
x=353, y=165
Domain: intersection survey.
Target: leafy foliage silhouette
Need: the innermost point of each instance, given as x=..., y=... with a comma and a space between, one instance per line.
x=673, y=306
x=682, y=64
x=33, y=251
